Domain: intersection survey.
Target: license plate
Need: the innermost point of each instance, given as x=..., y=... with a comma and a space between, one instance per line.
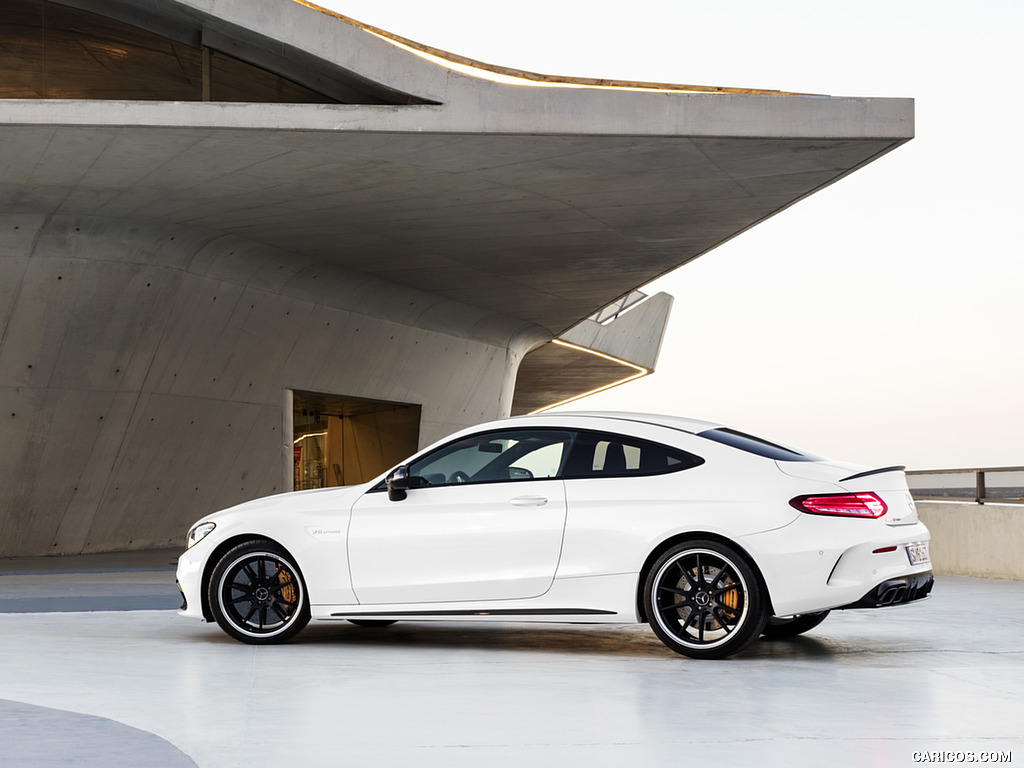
x=918, y=553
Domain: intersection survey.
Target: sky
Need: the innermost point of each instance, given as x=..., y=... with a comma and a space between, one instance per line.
x=879, y=321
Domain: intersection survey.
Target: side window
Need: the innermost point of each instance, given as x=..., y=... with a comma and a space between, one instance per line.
x=494, y=457
x=603, y=455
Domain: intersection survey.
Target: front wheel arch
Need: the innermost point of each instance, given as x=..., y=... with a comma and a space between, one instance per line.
x=223, y=548
x=679, y=538
x=257, y=593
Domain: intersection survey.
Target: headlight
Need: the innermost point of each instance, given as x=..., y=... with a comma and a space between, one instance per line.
x=198, y=533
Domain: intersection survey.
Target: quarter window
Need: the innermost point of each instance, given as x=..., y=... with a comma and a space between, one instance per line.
x=604, y=455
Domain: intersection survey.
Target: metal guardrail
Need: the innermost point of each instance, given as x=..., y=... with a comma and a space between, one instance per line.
x=992, y=485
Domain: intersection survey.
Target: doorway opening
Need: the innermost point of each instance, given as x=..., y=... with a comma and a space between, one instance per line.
x=343, y=441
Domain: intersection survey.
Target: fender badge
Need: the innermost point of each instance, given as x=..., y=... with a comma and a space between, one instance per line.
x=325, y=534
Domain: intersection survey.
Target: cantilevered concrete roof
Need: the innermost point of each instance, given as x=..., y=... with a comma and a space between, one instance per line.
x=535, y=202
x=530, y=201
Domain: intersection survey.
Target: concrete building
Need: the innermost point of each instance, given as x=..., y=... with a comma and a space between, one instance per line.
x=249, y=247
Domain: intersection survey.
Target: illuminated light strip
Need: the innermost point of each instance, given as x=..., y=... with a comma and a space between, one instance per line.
x=521, y=77
x=486, y=72
x=311, y=434
x=640, y=372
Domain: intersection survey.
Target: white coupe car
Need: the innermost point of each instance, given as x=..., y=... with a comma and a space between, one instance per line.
x=712, y=536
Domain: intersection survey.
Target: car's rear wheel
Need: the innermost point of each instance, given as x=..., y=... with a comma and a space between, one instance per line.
x=781, y=627
x=257, y=594
x=704, y=600
x=372, y=623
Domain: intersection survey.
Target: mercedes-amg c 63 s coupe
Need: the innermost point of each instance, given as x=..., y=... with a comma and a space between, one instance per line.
x=710, y=535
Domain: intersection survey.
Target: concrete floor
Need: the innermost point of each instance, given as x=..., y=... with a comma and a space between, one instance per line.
x=131, y=687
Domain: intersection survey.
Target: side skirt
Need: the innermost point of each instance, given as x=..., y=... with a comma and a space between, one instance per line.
x=478, y=612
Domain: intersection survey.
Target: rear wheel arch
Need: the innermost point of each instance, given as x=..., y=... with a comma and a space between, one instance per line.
x=679, y=538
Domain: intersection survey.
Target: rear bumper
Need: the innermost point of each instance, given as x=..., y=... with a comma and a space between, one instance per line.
x=822, y=563
x=899, y=591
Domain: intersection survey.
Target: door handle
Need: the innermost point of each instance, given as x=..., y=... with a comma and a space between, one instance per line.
x=528, y=501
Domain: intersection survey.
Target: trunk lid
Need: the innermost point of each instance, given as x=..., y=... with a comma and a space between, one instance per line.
x=889, y=483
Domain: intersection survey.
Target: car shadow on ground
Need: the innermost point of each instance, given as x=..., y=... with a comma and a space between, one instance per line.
x=624, y=641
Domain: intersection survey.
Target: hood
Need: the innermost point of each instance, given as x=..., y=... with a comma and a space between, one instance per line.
x=292, y=502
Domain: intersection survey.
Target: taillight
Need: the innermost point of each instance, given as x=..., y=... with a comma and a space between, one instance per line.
x=842, y=504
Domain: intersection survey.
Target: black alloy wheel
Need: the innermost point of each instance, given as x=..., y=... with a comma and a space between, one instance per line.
x=704, y=600
x=257, y=594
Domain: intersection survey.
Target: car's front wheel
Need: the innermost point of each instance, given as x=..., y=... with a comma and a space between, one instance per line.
x=704, y=600
x=257, y=594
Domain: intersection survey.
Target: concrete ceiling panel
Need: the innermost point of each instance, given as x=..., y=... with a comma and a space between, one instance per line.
x=413, y=201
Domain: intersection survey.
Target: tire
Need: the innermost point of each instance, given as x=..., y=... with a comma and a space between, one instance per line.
x=373, y=623
x=257, y=595
x=704, y=600
x=779, y=628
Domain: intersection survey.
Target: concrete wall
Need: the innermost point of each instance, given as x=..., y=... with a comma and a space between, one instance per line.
x=976, y=540
x=143, y=373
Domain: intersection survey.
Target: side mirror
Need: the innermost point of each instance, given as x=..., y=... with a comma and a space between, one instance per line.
x=398, y=483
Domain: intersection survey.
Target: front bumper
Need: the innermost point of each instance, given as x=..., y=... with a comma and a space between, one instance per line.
x=189, y=578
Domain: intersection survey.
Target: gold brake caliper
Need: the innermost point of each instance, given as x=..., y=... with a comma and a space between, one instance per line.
x=731, y=600
x=284, y=578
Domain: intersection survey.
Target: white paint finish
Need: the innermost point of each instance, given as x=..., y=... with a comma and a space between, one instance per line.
x=313, y=541
x=614, y=525
x=835, y=556
x=612, y=598
x=471, y=547
x=474, y=542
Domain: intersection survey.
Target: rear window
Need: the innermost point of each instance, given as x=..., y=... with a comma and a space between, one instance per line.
x=757, y=445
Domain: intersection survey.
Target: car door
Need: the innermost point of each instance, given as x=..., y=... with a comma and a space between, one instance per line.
x=483, y=520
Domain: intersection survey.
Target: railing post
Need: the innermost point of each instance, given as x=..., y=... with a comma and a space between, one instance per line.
x=1008, y=489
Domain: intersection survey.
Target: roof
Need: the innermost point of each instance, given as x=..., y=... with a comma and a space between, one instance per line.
x=680, y=423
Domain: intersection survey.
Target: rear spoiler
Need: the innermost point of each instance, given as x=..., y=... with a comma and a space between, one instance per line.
x=897, y=468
